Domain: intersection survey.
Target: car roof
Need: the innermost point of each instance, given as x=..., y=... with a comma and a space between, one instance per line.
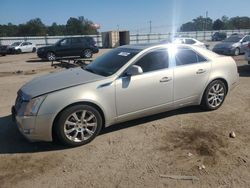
x=140, y=46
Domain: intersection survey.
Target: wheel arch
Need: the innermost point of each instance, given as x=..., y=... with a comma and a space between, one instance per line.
x=98, y=108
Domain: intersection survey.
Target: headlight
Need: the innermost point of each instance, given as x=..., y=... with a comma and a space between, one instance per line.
x=41, y=49
x=234, y=45
x=33, y=106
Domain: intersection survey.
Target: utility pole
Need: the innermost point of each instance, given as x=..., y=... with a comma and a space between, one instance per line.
x=150, y=26
x=205, y=26
x=206, y=20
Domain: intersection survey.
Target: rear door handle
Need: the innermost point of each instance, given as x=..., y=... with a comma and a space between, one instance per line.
x=165, y=79
x=200, y=71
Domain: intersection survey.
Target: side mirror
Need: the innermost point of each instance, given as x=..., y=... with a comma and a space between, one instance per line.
x=134, y=70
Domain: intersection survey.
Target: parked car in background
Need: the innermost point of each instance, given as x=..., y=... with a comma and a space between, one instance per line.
x=233, y=45
x=125, y=83
x=71, y=46
x=247, y=53
x=3, y=50
x=219, y=36
x=20, y=47
x=191, y=41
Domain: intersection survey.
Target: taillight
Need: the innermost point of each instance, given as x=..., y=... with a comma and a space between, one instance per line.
x=248, y=45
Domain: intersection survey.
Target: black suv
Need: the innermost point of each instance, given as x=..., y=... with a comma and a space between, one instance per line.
x=219, y=36
x=71, y=46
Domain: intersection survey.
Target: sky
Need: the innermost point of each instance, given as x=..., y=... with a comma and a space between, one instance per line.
x=133, y=15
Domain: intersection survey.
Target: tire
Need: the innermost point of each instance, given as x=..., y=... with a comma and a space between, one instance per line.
x=248, y=62
x=236, y=52
x=19, y=51
x=34, y=50
x=87, y=53
x=51, y=56
x=72, y=129
x=214, y=95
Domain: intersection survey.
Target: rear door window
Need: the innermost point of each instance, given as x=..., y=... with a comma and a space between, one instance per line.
x=187, y=57
x=189, y=41
x=76, y=41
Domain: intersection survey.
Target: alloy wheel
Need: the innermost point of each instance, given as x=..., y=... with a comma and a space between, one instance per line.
x=87, y=53
x=51, y=56
x=216, y=95
x=80, y=126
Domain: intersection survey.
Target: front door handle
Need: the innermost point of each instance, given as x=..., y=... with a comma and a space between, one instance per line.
x=165, y=79
x=200, y=71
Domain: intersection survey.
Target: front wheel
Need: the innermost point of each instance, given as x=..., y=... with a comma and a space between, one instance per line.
x=78, y=125
x=87, y=53
x=19, y=51
x=237, y=52
x=34, y=50
x=214, y=95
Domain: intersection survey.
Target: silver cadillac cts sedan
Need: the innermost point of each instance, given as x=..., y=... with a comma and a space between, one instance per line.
x=125, y=83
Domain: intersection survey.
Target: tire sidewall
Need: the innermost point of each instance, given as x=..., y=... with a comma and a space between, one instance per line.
x=205, y=102
x=84, y=53
x=48, y=56
x=235, y=52
x=59, y=126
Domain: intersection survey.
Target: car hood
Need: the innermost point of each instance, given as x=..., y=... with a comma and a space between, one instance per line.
x=47, y=47
x=57, y=81
x=225, y=45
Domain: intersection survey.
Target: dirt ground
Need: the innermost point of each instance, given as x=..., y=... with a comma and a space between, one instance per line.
x=131, y=154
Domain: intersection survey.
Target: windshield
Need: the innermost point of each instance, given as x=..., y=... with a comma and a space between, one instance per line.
x=233, y=39
x=16, y=44
x=112, y=61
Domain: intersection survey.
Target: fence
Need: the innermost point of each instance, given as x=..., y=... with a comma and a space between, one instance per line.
x=134, y=38
x=44, y=40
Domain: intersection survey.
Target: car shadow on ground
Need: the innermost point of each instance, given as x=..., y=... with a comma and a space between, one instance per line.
x=132, y=123
x=37, y=61
x=11, y=141
x=244, y=70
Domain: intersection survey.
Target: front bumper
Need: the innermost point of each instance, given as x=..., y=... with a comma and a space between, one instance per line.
x=247, y=56
x=34, y=128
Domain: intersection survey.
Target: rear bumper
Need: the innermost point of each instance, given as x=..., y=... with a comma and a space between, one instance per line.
x=41, y=54
x=95, y=50
x=247, y=56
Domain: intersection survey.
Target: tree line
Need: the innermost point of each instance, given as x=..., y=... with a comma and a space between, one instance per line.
x=35, y=27
x=225, y=23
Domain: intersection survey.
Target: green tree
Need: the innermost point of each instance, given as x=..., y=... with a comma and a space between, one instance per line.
x=55, y=29
x=34, y=27
x=218, y=24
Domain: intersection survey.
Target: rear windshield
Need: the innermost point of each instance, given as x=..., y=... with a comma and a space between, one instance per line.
x=112, y=61
x=233, y=39
x=16, y=44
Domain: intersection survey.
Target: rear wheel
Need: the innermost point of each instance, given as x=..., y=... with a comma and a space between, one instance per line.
x=214, y=95
x=78, y=125
x=87, y=53
x=51, y=56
